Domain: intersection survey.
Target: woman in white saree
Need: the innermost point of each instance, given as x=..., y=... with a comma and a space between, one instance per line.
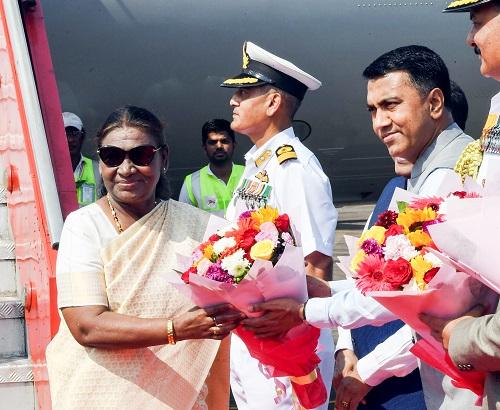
x=127, y=338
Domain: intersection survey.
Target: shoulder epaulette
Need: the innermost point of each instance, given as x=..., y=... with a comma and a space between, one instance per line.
x=285, y=153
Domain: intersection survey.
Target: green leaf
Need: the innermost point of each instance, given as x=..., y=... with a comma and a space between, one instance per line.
x=402, y=205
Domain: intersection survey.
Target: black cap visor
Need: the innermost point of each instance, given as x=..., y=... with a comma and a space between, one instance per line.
x=257, y=74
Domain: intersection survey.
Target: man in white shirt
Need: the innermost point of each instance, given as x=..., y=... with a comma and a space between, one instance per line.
x=279, y=172
x=409, y=100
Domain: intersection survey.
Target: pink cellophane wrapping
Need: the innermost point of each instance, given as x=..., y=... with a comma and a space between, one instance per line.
x=448, y=295
x=469, y=238
x=453, y=291
x=293, y=355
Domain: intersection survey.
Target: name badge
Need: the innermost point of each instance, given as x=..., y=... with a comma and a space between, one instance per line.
x=211, y=202
x=88, y=193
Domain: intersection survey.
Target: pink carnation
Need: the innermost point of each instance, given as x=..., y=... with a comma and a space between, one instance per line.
x=371, y=247
x=215, y=272
x=422, y=203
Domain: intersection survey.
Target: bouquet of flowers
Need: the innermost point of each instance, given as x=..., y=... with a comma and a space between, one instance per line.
x=394, y=253
x=248, y=262
x=397, y=263
x=228, y=255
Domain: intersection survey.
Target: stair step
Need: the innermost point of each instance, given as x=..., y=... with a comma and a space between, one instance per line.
x=12, y=328
x=16, y=384
x=16, y=370
x=11, y=308
x=8, y=278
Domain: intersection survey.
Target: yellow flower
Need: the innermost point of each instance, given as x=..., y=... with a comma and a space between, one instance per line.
x=419, y=238
x=266, y=214
x=411, y=219
x=208, y=252
x=420, y=267
x=262, y=250
x=375, y=232
x=358, y=258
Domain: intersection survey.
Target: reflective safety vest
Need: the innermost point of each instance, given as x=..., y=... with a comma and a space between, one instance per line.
x=208, y=192
x=86, y=182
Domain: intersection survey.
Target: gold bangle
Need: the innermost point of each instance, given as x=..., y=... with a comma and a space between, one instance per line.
x=170, y=332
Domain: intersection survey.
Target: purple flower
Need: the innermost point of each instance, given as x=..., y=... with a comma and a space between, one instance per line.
x=215, y=272
x=371, y=247
x=246, y=214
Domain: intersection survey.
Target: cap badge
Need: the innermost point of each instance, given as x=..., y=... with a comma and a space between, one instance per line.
x=263, y=158
x=285, y=153
x=246, y=58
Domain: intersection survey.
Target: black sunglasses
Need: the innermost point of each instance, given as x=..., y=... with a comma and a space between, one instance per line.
x=141, y=155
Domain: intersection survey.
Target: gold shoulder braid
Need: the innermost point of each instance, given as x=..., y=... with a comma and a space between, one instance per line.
x=470, y=160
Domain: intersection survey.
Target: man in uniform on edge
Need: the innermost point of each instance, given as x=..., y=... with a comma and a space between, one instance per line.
x=474, y=343
x=85, y=170
x=211, y=188
x=280, y=172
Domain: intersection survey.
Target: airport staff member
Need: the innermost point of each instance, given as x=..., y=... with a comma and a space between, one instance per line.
x=85, y=170
x=474, y=343
x=211, y=188
x=280, y=172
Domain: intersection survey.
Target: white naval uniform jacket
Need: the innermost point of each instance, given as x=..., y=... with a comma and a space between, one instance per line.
x=297, y=187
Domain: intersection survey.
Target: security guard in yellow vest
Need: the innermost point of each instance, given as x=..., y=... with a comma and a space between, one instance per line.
x=211, y=188
x=85, y=170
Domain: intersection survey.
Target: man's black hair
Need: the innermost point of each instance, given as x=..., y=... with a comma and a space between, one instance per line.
x=218, y=126
x=425, y=68
x=459, y=105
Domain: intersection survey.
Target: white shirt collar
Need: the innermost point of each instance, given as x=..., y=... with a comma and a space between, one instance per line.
x=283, y=137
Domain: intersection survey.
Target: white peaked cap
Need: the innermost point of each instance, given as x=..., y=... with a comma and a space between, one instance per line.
x=261, y=67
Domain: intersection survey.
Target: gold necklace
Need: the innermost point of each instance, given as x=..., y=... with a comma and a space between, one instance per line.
x=115, y=216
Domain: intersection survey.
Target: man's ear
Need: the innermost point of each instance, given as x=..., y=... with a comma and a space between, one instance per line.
x=275, y=101
x=436, y=103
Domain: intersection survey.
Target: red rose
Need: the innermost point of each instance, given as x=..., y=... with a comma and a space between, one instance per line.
x=398, y=272
x=248, y=239
x=282, y=222
x=429, y=275
x=393, y=230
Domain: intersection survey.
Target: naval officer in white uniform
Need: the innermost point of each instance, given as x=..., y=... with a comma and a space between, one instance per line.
x=280, y=172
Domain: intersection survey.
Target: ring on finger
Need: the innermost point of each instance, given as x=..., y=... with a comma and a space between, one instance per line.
x=216, y=330
x=344, y=403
